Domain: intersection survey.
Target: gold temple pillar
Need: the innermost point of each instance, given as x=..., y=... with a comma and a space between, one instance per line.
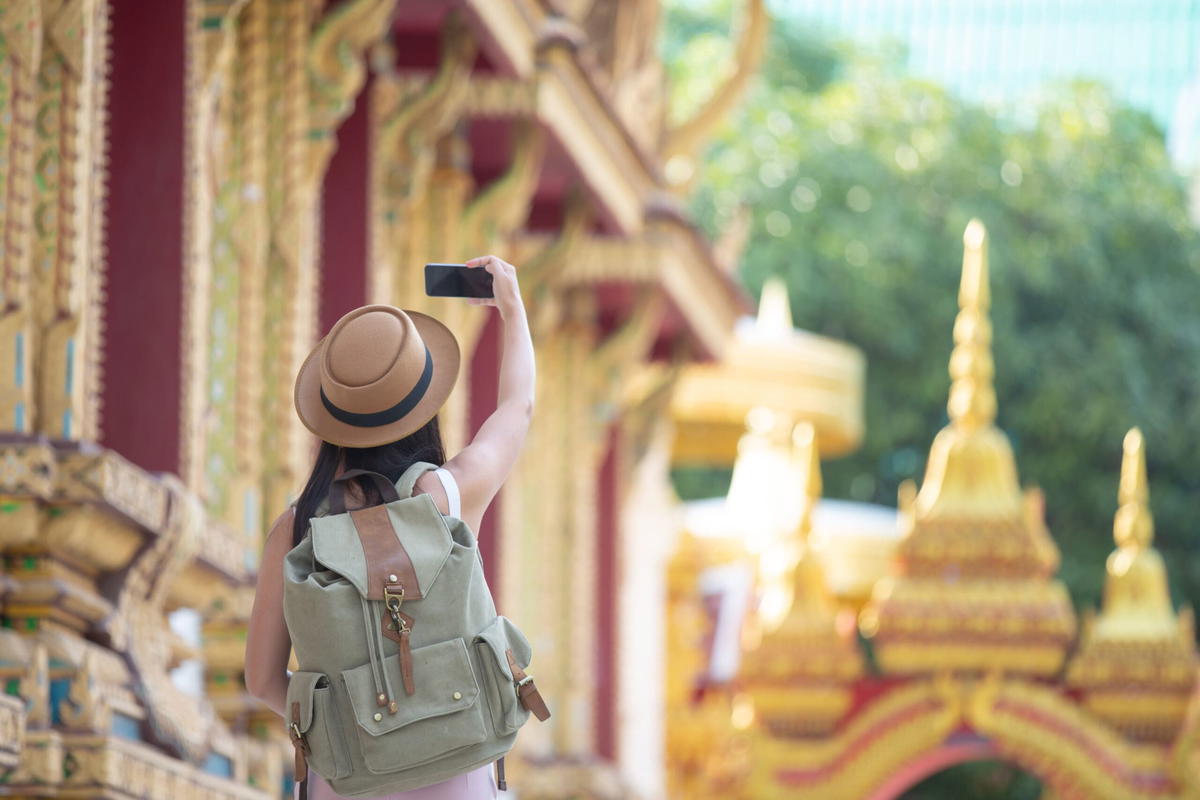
x=20, y=56
x=67, y=205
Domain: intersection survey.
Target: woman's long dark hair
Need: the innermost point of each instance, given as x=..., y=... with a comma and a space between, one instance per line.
x=387, y=459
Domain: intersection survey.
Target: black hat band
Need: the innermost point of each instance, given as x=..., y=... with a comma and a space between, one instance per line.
x=377, y=419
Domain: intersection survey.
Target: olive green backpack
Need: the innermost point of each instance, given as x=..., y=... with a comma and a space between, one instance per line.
x=407, y=675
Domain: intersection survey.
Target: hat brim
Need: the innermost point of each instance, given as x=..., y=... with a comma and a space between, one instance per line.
x=443, y=348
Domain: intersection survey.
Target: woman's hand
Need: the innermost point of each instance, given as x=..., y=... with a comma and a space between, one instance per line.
x=507, y=294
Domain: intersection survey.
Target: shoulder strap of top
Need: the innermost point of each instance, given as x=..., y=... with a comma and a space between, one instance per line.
x=453, y=498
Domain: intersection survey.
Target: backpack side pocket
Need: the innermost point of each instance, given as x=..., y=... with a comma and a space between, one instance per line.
x=501, y=635
x=328, y=754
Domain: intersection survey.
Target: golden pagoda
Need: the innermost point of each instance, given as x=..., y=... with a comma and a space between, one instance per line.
x=1136, y=664
x=801, y=672
x=970, y=630
x=972, y=587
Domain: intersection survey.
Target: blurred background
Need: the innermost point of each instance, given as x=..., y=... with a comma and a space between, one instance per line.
x=863, y=463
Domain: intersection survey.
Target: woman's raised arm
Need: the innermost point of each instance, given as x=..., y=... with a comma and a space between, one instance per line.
x=483, y=465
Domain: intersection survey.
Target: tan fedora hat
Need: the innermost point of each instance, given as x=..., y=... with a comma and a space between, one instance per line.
x=378, y=375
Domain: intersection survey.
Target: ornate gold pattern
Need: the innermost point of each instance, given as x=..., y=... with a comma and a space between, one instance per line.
x=20, y=24
x=94, y=516
x=337, y=71
x=408, y=121
x=67, y=195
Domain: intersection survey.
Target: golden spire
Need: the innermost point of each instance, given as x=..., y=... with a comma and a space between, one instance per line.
x=1136, y=661
x=1137, y=601
x=774, y=308
x=971, y=472
x=972, y=395
x=972, y=588
x=1133, y=525
x=797, y=673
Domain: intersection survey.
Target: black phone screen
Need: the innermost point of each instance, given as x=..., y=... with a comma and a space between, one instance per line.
x=457, y=280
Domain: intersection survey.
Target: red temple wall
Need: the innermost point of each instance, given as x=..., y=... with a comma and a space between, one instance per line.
x=143, y=305
x=344, y=221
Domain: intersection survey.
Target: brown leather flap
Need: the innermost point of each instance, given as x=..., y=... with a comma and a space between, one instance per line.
x=387, y=560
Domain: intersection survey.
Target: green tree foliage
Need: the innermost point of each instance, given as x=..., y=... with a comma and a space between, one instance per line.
x=860, y=180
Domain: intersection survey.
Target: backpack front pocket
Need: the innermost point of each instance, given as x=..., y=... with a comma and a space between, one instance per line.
x=317, y=723
x=441, y=715
x=493, y=642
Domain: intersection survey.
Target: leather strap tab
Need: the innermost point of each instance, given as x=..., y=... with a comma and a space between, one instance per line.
x=385, y=554
x=299, y=744
x=531, y=699
x=406, y=663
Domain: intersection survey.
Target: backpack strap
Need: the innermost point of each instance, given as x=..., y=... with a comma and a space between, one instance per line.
x=527, y=692
x=409, y=479
x=337, y=490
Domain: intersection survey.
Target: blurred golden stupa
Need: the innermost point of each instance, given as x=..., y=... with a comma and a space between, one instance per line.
x=969, y=648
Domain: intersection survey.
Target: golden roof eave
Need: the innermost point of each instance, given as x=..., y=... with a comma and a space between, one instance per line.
x=595, y=139
x=571, y=104
x=668, y=253
x=512, y=27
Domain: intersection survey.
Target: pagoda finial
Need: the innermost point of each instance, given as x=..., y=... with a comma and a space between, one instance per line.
x=972, y=395
x=774, y=308
x=1133, y=525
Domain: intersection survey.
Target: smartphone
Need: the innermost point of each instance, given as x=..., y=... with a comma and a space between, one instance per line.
x=457, y=280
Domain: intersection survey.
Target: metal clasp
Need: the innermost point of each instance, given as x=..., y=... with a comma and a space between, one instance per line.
x=528, y=677
x=298, y=737
x=391, y=599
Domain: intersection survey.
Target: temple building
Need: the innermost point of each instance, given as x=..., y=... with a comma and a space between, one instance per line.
x=193, y=192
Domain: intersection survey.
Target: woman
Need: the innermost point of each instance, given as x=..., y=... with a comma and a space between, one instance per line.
x=357, y=351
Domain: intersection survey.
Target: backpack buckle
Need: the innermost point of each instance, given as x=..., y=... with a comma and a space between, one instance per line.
x=528, y=677
x=392, y=599
x=298, y=740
